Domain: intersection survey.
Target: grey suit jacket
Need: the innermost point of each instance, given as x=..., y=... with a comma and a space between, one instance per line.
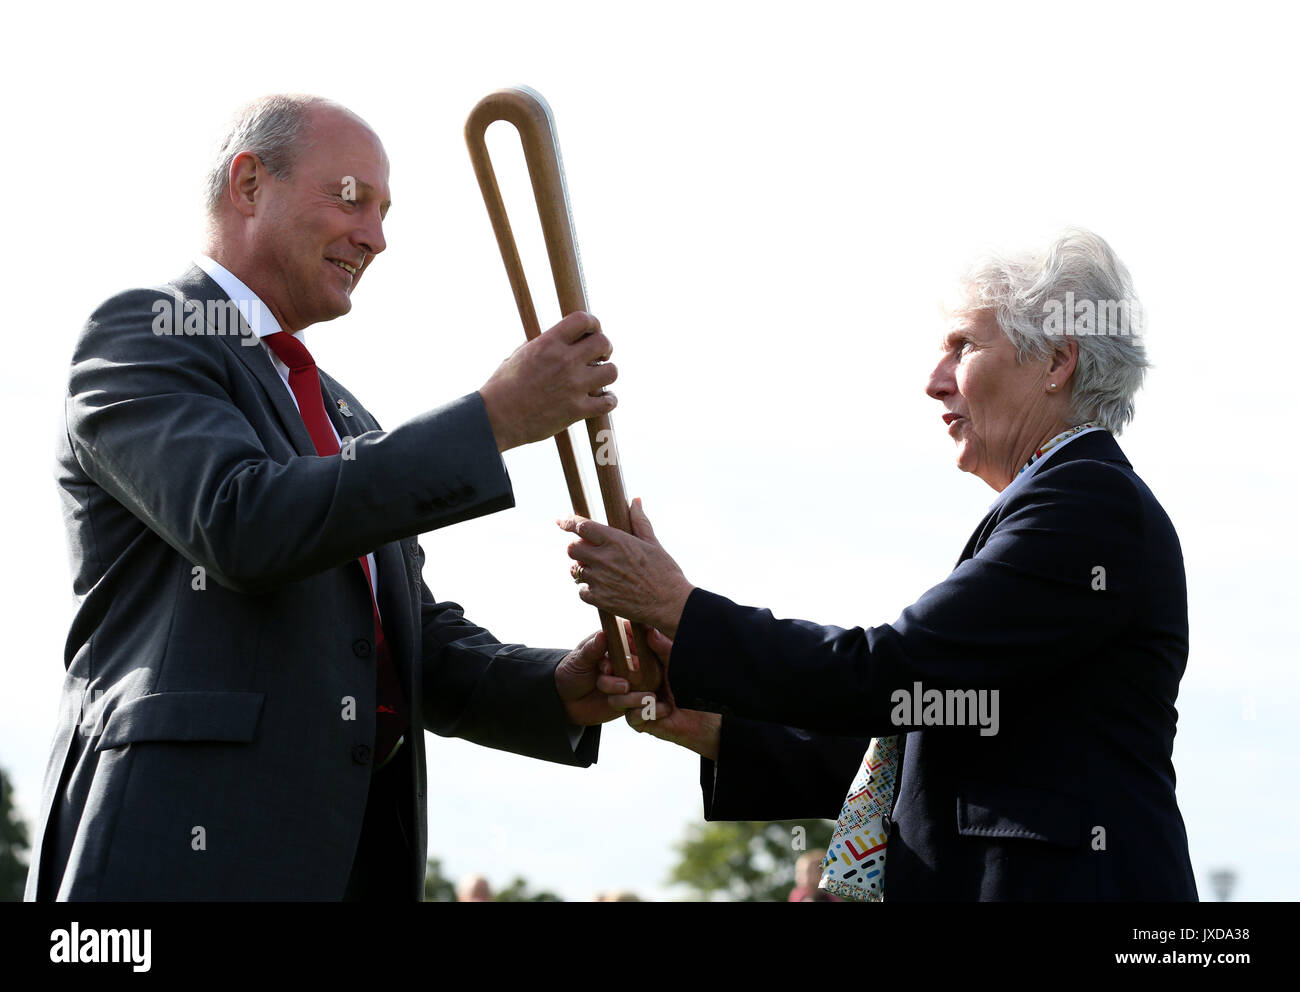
x=206, y=745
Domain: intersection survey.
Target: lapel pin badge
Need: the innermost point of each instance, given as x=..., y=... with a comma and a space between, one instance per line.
x=343, y=408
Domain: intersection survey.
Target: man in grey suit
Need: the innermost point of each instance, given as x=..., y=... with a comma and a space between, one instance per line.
x=255, y=655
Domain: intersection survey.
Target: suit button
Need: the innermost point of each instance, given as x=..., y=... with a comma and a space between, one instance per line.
x=361, y=648
x=361, y=754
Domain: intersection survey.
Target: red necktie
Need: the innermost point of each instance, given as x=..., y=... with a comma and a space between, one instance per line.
x=390, y=714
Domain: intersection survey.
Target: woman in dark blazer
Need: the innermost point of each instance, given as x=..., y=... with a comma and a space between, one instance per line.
x=1030, y=695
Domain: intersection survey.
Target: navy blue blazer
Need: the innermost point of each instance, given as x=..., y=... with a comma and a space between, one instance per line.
x=1070, y=602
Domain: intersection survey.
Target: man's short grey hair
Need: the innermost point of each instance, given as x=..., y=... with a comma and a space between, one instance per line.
x=271, y=128
x=1028, y=294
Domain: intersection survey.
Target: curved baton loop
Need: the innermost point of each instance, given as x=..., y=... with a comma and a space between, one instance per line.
x=529, y=113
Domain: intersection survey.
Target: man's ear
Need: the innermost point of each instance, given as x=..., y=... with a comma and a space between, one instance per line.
x=1064, y=361
x=247, y=176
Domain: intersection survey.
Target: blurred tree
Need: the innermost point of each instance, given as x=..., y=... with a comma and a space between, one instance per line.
x=517, y=891
x=13, y=846
x=746, y=862
x=437, y=887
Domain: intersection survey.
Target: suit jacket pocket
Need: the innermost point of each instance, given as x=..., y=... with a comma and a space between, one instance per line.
x=184, y=716
x=1003, y=810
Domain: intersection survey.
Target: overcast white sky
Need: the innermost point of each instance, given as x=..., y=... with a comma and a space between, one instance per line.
x=769, y=205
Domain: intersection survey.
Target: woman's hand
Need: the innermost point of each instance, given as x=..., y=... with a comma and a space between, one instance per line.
x=629, y=575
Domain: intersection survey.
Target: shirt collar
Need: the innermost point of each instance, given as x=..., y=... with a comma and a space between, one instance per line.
x=256, y=314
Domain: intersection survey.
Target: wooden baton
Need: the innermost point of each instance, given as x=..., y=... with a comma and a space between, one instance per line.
x=528, y=111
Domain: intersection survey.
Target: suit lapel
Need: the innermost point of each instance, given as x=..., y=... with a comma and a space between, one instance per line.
x=198, y=286
x=1096, y=445
x=348, y=424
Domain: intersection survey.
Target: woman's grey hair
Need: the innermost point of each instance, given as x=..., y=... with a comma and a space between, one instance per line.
x=1075, y=288
x=271, y=128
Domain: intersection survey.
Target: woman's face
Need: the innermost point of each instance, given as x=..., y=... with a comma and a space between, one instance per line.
x=997, y=409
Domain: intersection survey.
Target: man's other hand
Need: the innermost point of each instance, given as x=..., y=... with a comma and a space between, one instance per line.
x=549, y=383
x=585, y=685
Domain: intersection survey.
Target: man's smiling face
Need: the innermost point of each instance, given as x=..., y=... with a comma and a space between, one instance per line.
x=313, y=234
